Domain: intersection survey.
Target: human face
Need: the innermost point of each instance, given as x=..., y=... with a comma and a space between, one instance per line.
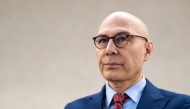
x=121, y=64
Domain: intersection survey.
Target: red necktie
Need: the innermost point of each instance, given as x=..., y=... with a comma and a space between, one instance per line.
x=119, y=99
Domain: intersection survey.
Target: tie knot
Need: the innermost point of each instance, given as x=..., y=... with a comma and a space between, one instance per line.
x=119, y=97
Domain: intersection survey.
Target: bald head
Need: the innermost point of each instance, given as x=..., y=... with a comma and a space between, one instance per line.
x=121, y=55
x=118, y=20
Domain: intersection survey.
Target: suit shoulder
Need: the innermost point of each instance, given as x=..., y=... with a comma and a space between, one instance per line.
x=175, y=96
x=167, y=93
x=80, y=103
x=176, y=100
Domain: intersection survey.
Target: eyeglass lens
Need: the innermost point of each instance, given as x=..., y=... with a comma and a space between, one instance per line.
x=119, y=40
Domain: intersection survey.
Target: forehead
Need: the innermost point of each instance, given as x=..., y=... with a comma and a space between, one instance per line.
x=116, y=24
x=113, y=31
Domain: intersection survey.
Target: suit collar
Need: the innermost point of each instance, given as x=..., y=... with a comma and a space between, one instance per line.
x=152, y=98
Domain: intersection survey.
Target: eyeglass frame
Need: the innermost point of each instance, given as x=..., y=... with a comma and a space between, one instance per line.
x=125, y=33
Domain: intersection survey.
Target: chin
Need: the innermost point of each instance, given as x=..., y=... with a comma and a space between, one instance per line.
x=112, y=77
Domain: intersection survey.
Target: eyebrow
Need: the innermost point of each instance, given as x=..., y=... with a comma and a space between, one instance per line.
x=121, y=32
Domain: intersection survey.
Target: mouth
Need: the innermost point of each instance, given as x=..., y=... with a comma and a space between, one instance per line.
x=112, y=65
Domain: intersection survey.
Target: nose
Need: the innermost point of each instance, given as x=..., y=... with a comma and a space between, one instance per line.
x=111, y=48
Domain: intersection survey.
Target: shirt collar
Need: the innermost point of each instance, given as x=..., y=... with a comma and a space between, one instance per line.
x=134, y=92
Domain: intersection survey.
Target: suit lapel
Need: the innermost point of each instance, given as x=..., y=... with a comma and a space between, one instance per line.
x=97, y=101
x=151, y=98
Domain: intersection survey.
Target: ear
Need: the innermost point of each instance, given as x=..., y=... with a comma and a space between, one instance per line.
x=149, y=49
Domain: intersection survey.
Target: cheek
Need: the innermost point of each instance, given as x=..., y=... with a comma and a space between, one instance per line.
x=99, y=54
x=138, y=58
x=133, y=58
x=128, y=63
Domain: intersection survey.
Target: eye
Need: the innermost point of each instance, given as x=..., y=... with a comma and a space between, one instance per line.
x=101, y=40
x=121, y=39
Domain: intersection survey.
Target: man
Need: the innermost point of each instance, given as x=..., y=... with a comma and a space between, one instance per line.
x=122, y=47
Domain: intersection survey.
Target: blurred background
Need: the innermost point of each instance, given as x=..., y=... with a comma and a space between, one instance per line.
x=47, y=56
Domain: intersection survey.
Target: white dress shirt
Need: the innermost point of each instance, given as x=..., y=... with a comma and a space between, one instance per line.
x=134, y=92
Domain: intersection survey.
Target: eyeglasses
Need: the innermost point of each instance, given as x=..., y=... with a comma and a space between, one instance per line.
x=120, y=40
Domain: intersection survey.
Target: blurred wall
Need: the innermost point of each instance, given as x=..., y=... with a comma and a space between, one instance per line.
x=47, y=56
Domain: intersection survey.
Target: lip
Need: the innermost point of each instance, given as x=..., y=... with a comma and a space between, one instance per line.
x=112, y=65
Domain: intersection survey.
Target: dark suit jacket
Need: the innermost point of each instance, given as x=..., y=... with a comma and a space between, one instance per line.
x=152, y=98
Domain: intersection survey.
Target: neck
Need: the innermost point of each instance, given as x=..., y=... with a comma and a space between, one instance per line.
x=121, y=86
